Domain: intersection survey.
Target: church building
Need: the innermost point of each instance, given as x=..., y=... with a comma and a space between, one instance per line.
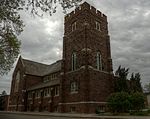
x=78, y=83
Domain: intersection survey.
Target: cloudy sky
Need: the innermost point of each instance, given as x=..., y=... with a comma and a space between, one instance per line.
x=129, y=29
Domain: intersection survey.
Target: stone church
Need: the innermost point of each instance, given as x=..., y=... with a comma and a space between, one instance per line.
x=78, y=83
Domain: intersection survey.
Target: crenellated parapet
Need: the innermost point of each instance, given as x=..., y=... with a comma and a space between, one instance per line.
x=85, y=6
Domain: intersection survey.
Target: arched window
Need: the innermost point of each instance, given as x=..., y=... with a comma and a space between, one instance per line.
x=74, y=57
x=17, y=81
x=99, y=61
x=98, y=26
x=74, y=26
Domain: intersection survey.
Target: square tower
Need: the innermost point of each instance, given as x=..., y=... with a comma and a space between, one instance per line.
x=87, y=66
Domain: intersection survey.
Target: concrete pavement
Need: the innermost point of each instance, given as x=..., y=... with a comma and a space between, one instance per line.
x=75, y=116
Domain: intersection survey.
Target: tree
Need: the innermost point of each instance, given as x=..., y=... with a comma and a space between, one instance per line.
x=49, y=6
x=135, y=84
x=138, y=82
x=124, y=102
x=3, y=93
x=123, y=84
x=2, y=100
x=137, y=100
x=129, y=95
x=119, y=102
x=132, y=83
x=11, y=24
x=121, y=81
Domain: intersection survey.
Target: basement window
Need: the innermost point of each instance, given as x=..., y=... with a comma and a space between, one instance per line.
x=72, y=109
x=56, y=109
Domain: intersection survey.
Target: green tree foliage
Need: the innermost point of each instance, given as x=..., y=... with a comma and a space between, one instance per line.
x=135, y=84
x=137, y=100
x=3, y=93
x=129, y=95
x=124, y=102
x=119, y=102
x=138, y=82
x=2, y=100
x=121, y=82
x=11, y=24
x=49, y=6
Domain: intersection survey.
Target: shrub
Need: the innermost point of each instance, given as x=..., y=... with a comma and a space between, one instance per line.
x=148, y=111
x=139, y=113
x=123, y=102
x=119, y=102
x=137, y=100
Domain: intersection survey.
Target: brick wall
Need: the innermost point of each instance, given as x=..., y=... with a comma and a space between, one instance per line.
x=17, y=98
x=94, y=86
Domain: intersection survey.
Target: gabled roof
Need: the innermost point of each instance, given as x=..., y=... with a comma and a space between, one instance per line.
x=39, y=69
x=44, y=84
x=55, y=67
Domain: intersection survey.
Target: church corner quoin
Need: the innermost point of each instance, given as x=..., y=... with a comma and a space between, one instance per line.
x=81, y=81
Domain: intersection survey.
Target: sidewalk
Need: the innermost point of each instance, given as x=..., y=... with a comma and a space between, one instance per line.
x=68, y=115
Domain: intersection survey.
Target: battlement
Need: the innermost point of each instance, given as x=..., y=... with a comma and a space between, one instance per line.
x=85, y=6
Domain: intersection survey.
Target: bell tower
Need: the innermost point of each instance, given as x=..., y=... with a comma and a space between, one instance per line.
x=87, y=64
x=86, y=29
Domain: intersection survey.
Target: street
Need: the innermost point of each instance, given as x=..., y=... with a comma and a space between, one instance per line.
x=20, y=116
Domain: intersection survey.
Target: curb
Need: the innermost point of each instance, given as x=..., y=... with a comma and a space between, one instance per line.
x=66, y=115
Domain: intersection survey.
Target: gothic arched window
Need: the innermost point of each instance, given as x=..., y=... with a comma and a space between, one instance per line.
x=74, y=58
x=98, y=26
x=99, y=61
x=17, y=81
x=74, y=26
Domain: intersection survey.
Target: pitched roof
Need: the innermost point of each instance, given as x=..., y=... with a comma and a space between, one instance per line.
x=39, y=69
x=44, y=84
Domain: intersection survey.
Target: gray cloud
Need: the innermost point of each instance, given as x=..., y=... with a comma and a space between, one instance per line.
x=129, y=30
x=42, y=38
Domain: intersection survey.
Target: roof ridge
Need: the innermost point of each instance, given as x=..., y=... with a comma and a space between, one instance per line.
x=42, y=63
x=55, y=62
x=34, y=61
